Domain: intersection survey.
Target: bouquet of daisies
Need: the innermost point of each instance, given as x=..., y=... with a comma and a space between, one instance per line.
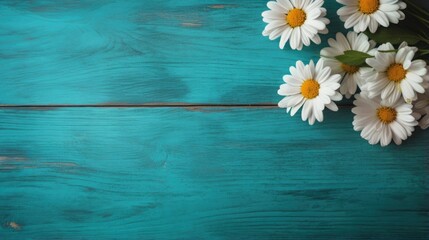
x=381, y=63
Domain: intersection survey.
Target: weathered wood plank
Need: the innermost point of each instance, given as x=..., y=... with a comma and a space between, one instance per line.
x=94, y=52
x=205, y=174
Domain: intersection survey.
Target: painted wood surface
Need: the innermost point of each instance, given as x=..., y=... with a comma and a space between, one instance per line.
x=185, y=171
x=141, y=51
x=204, y=173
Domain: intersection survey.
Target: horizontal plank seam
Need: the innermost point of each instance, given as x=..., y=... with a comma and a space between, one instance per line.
x=149, y=105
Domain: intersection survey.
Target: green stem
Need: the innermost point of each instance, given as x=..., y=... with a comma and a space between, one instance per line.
x=421, y=19
x=416, y=8
x=423, y=38
x=425, y=34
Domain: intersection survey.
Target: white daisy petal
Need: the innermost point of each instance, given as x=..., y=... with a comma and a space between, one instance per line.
x=361, y=15
x=297, y=107
x=285, y=37
x=332, y=106
x=275, y=33
x=422, y=108
x=298, y=22
x=396, y=69
x=285, y=3
x=318, y=113
x=315, y=90
x=418, y=67
x=274, y=6
x=373, y=25
x=353, y=20
x=383, y=123
x=381, y=18
x=306, y=110
x=351, y=75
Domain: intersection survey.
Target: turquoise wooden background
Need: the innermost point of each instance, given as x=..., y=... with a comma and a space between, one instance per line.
x=157, y=120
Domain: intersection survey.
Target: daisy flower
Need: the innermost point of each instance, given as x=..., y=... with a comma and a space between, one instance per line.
x=421, y=106
x=296, y=21
x=395, y=74
x=351, y=74
x=380, y=122
x=311, y=87
x=363, y=14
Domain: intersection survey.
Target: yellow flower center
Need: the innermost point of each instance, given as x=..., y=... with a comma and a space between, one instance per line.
x=386, y=114
x=310, y=89
x=396, y=72
x=296, y=17
x=368, y=6
x=349, y=68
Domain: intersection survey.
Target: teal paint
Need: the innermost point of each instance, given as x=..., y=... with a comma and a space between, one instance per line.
x=92, y=52
x=168, y=173
x=185, y=172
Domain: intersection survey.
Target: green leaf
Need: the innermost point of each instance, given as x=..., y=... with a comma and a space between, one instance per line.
x=395, y=35
x=353, y=58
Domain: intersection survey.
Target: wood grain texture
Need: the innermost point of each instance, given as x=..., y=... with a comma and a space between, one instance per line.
x=106, y=173
x=105, y=51
x=172, y=168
